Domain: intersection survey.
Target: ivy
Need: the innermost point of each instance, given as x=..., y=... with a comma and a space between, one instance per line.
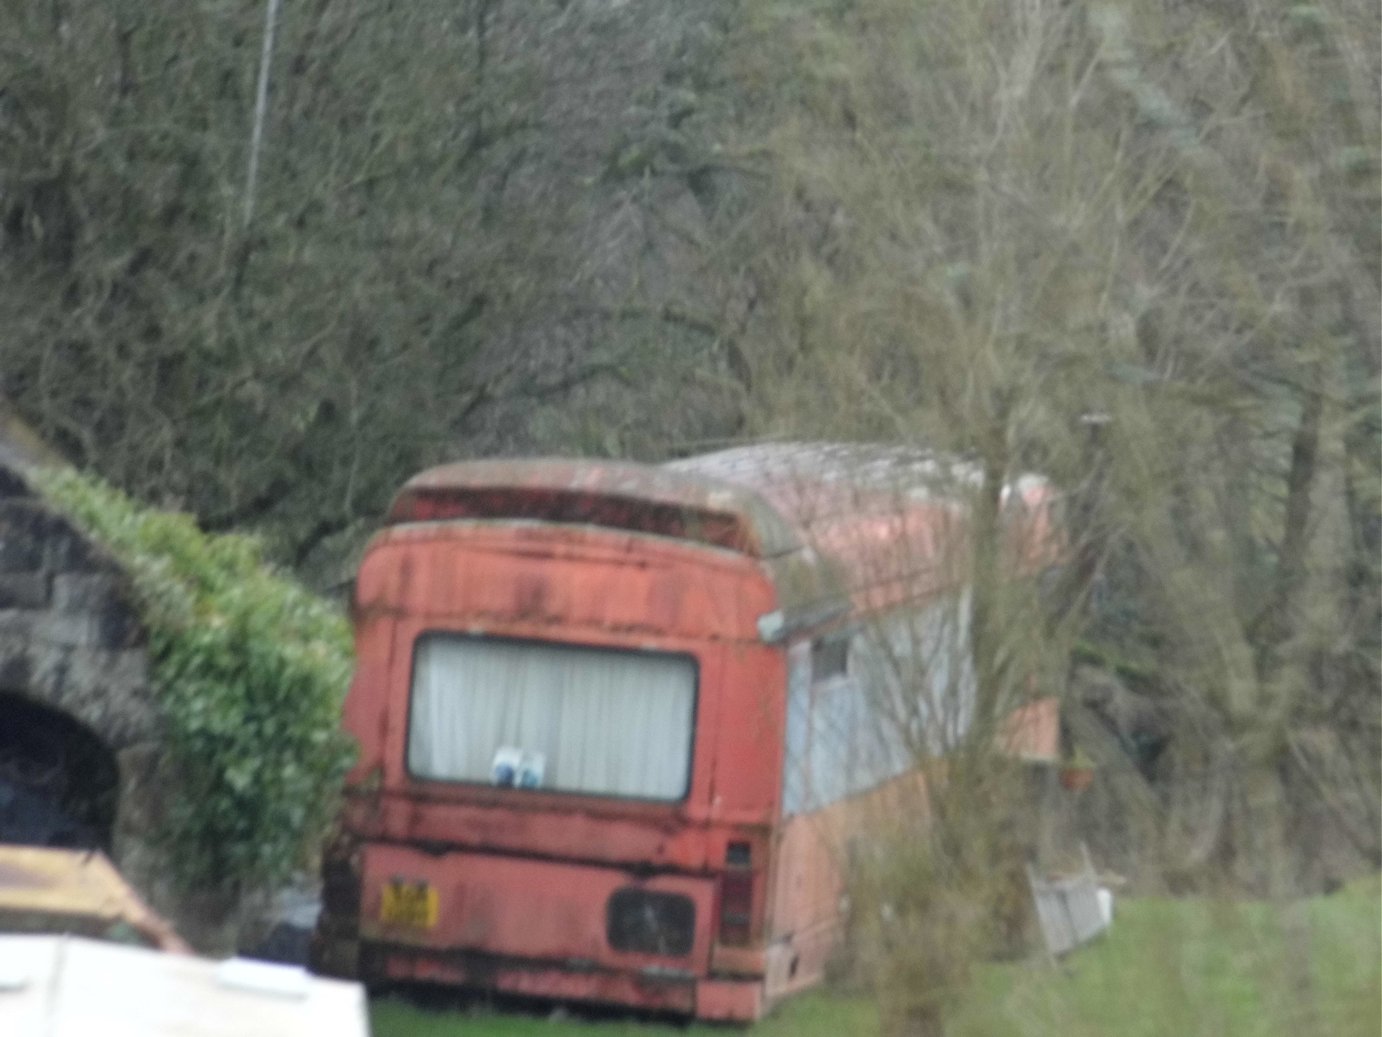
x=249, y=668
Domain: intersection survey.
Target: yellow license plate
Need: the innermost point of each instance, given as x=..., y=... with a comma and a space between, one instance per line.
x=408, y=903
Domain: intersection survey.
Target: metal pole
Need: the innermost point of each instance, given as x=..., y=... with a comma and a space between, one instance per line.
x=261, y=104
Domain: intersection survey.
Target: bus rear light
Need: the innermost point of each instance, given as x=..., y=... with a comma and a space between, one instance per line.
x=736, y=907
x=738, y=855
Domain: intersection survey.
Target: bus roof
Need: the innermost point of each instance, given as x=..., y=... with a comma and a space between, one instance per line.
x=891, y=519
x=815, y=483
x=619, y=494
x=873, y=522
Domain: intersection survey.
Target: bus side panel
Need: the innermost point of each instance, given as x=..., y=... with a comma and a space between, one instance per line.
x=366, y=709
x=748, y=745
x=817, y=853
x=805, y=908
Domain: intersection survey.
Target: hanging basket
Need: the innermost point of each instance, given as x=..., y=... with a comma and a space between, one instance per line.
x=1076, y=778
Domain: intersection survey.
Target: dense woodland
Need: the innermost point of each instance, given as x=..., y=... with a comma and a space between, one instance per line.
x=1135, y=246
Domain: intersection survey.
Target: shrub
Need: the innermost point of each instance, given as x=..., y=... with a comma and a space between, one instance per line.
x=249, y=668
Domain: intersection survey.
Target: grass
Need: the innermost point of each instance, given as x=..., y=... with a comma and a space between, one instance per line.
x=819, y=1012
x=1210, y=967
x=1183, y=967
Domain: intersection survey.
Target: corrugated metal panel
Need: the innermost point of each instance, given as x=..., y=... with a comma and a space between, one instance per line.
x=1069, y=908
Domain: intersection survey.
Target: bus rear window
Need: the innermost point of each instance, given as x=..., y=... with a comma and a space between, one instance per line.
x=552, y=716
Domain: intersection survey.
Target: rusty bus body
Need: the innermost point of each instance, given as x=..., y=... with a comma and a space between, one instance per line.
x=582, y=689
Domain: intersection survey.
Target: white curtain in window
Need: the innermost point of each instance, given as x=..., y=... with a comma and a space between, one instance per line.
x=614, y=723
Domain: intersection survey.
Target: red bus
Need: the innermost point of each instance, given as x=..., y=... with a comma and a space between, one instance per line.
x=602, y=708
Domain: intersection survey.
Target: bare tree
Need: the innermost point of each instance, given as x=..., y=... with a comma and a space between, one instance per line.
x=987, y=221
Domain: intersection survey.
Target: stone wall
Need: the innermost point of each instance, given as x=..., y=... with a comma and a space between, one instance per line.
x=71, y=642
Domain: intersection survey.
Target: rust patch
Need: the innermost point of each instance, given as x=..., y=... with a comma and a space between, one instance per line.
x=530, y=595
x=619, y=495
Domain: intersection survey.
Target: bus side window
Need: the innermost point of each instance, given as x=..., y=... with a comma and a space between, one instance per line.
x=829, y=658
x=836, y=715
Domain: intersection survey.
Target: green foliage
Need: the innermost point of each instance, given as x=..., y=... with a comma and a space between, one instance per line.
x=434, y=265
x=250, y=669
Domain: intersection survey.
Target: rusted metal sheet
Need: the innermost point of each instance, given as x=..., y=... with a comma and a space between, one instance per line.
x=77, y=891
x=689, y=506
x=560, y=577
x=569, y=585
x=521, y=908
x=653, y=991
x=619, y=495
x=486, y=856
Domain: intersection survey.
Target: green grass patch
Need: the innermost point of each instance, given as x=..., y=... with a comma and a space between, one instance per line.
x=1211, y=967
x=815, y=1014
x=1183, y=967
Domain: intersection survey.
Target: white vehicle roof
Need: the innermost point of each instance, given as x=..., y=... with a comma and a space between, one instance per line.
x=66, y=986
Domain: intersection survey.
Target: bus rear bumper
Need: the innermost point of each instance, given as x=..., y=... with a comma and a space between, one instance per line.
x=650, y=990
x=729, y=1000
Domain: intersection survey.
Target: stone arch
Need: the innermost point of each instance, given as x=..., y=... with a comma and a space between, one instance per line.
x=59, y=780
x=74, y=674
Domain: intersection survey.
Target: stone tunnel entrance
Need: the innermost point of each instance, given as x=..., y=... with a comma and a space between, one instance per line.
x=59, y=782
x=81, y=740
